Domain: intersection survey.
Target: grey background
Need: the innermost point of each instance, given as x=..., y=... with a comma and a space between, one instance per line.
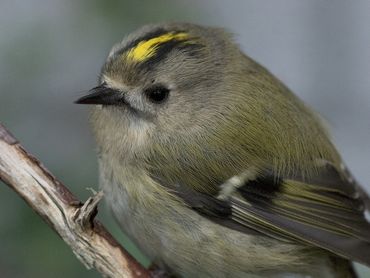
x=51, y=53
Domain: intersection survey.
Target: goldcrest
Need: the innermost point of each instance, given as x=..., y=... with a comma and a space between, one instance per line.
x=214, y=168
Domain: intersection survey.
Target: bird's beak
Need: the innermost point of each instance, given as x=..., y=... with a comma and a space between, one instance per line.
x=102, y=95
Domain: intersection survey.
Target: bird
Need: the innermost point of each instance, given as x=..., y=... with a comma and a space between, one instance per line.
x=214, y=168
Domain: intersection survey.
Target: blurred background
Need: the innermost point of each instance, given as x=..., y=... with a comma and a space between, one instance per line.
x=51, y=53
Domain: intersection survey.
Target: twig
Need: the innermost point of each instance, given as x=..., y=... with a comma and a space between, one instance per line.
x=93, y=245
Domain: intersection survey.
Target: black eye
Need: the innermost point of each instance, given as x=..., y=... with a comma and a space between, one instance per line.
x=157, y=94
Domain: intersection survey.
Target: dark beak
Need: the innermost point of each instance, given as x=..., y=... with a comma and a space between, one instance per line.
x=102, y=95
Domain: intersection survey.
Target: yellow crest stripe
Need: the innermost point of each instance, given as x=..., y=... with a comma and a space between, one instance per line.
x=146, y=49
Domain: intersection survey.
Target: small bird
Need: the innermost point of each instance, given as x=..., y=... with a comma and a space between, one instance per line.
x=214, y=168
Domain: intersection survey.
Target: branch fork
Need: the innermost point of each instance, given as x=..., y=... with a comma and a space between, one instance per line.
x=75, y=223
x=85, y=215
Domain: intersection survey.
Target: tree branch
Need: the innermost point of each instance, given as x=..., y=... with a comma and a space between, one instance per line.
x=93, y=245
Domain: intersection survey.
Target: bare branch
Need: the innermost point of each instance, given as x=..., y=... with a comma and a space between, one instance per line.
x=74, y=222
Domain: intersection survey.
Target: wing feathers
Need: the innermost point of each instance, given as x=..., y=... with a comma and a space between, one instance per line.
x=352, y=247
x=323, y=210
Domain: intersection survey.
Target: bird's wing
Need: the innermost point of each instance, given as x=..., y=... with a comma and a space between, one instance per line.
x=325, y=210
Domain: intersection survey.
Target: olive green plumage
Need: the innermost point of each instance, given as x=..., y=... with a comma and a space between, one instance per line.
x=214, y=168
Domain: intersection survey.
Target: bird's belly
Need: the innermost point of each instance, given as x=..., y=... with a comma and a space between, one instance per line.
x=176, y=237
